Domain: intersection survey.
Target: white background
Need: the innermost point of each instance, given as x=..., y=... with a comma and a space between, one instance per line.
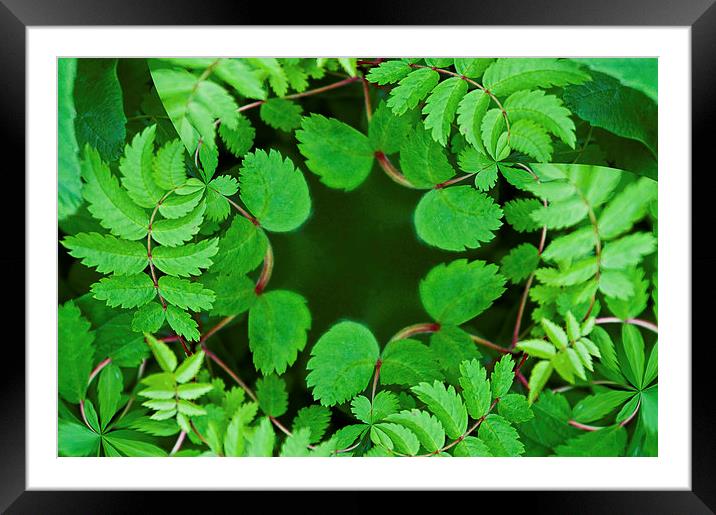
x=670, y=470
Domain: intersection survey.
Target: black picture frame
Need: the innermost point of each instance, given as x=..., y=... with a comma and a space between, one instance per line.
x=699, y=15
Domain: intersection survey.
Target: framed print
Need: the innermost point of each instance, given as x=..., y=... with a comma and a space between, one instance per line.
x=409, y=244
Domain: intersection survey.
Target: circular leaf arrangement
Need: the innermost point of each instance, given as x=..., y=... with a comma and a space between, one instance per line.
x=536, y=151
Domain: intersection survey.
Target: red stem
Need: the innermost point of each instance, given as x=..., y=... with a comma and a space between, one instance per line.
x=97, y=369
x=489, y=344
x=392, y=171
x=265, y=271
x=411, y=330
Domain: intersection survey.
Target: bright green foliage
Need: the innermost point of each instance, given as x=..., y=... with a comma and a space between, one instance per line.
x=457, y=218
x=74, y=352
x=406, y=362
x=445, y=404
x=423, y=161
x=340, y=155
x=441, y=106
x=459, y=291
x=274, y=191
x=69, y=193
x=109, y=203
x=412, y=89
x=166, y=208
x=186, y=260
x=505, y=76
x=520, y=262
x=342, y=362
x=273, y=399
x=107, y=253
x=278, y=322
x=281, y=114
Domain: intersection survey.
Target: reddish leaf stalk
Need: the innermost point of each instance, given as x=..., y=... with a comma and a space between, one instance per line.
x=391, y=171
x=265, y=271
x=411, y=330
x=487, y=343
x=633, y=321
x=98, y=369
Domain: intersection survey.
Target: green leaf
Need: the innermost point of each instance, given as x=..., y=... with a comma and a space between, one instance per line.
x=387, y=132
x=261, y=442
x=362, y=408
x=555, y=333
x=457, y=218
x=272, y=69
x=239, y=140
x=472, y=67
x=502, y=376
x=520, y=262
x=627, y=251
x=500, y=437
x=340, y=155
x=217, y=206
x=182, y=322
x=451, y=346
x=614, y=283
x=456, y=292
x=403, y=439
x=652, y=366
x=185, y=294
x=494, y=134
x=408, y=362
x=272, y=395
x=296, y=445
x=280, y=113
x=74, y=352
x=633, y=345
x=274, y=191
x=531, y=138
x=127, y=291
x=446, y=404
x=193, y=104
x=571, y=246
x=316, y=418
x=234, y=293
x=475, y=388
x=388, y=72
x=423, y=161
x=130, y=444
x=165, y=357
x=426, y=427
x=627, y=207
x=136, y=169
x=638, y=73
x=109, y=391
x=98, y=99
x=505, y=76
x=342, y=363
x=241, y=248
x=544, y=110
x=109, y=203
x=241, y=77
x=549, y=427
x=169, y=168
x=473, y=447
x=278, y=322
x=193, y=390
x=178, y=230
x=149, y=318
x=470, y=113
x=518, y=214
x=604, y=442
x=597, y=406
x=473, y=161
x=605, y=103
x=189, y=367
x=412, y=89
x=539, y=376
x=186, y=260
x=69, y=185
x=75, y=439
x=515, y=408
x=537, y=348
x=107, y=253
x=441, y=106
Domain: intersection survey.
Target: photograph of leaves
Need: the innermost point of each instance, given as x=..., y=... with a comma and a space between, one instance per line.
x=357, y=257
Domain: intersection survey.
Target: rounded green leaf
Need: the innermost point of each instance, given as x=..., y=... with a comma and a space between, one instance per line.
x=278, y=322
x=342, y=363
x=457, y=218
x=340, y=155
x=454, y=293
x=274, y=190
